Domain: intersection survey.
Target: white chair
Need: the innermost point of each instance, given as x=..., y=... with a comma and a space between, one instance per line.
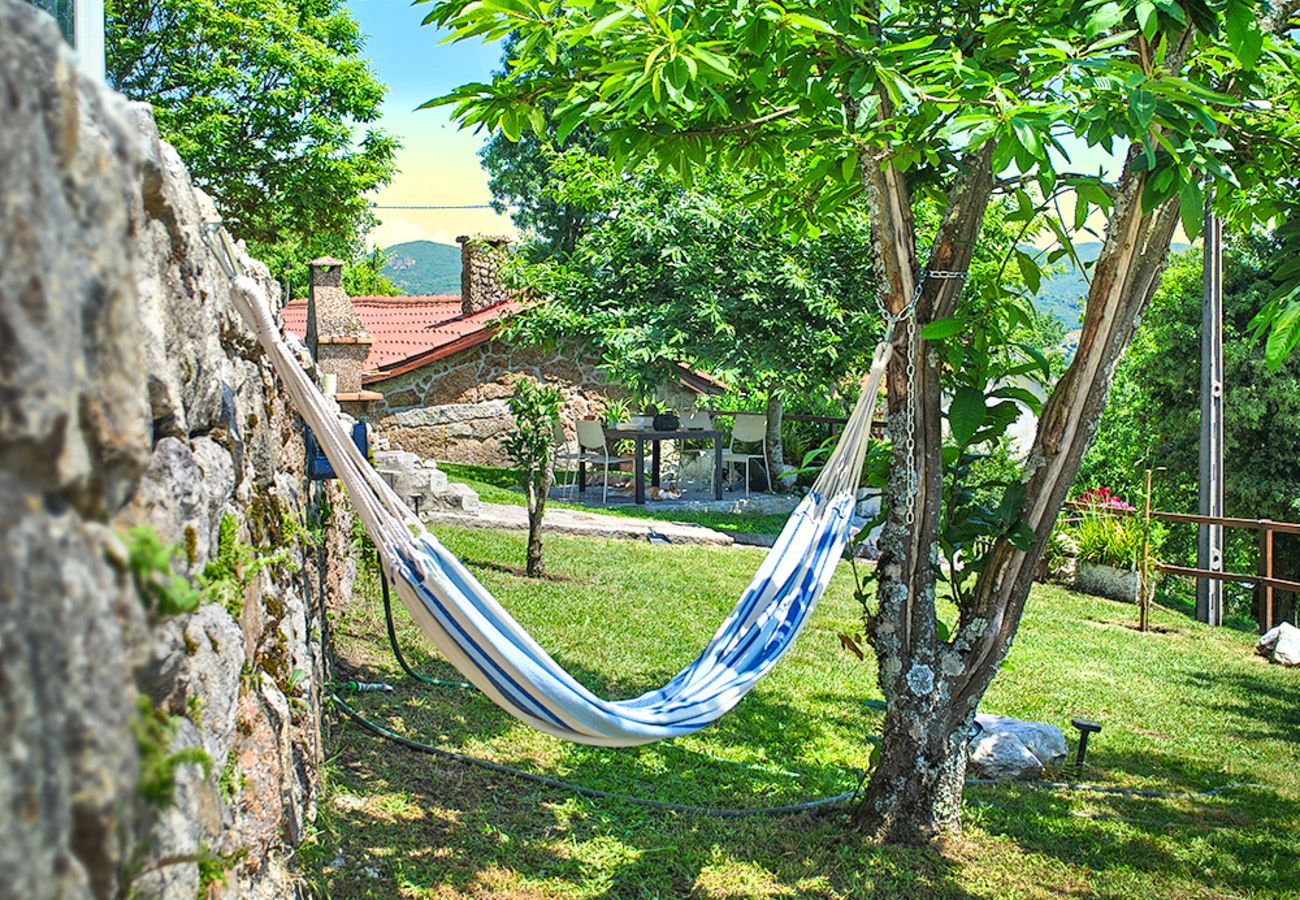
x=697, y=420
x=748, y=428
x=594, y=450
x=564, y=453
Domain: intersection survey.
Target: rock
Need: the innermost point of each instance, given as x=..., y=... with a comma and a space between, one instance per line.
x=413, y=476
x=1281, y=645
x=1004, y=749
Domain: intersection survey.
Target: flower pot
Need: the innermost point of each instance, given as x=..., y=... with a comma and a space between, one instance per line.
x=1107, y=581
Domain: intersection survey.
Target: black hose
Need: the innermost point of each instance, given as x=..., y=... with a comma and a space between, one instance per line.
x=397, y=650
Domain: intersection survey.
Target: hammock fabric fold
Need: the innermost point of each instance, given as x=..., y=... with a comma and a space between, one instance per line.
x=493, y=651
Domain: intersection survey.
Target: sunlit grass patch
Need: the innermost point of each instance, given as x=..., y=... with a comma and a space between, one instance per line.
x=1185, y=709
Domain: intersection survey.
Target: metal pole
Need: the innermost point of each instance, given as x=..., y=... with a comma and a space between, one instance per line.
x=1209, y=539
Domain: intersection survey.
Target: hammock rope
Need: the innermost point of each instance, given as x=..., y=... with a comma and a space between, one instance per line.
x=484, y=642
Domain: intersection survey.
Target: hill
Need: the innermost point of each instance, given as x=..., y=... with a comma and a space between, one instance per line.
x=423, y=267
x=1062, y=292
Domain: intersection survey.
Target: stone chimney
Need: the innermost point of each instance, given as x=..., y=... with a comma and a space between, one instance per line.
x=337, y=337
x=480, y=264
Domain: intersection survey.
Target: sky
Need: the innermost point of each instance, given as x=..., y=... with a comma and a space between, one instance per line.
x=438, y=163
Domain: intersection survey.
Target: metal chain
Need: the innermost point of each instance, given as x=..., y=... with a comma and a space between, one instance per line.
x=908, y=315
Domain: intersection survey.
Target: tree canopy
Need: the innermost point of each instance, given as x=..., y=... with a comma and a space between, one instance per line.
x=269, y=104
x=700, y=276
x=957, y=105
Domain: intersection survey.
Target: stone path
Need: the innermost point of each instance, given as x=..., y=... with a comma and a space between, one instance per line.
x=572, y=521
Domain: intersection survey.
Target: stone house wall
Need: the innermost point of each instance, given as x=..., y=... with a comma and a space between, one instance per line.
x=455, y=409
x=132, y=396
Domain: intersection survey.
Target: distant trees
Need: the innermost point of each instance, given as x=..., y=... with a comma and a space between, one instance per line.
x=703, y=276
x=269, y=104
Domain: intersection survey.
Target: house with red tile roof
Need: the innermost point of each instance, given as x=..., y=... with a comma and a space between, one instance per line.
x=437, y=377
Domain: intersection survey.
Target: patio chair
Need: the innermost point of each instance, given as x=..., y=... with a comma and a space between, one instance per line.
x=697, y=420
x=565, y=453
x=748, y=428
x=593, y=449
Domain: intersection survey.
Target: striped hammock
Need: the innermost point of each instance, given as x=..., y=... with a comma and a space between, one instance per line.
x=489, y=647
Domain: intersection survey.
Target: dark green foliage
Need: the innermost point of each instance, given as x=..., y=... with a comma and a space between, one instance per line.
x=423, y=267
x=269, y=103
x=702, y=276
x=1153, y=417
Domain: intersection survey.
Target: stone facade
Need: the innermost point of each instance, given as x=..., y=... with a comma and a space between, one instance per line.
x=135, y=743
x=455, y=409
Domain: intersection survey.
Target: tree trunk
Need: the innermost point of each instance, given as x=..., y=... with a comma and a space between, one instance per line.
x=539, y=486
x=775, y=451
x=932, y=686
x=914, y=794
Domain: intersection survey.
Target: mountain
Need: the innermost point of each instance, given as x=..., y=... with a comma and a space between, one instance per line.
x=1062, y=292
x=423, y=267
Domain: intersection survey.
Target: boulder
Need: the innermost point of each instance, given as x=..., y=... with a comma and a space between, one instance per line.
x=1281, y=645
x=1011, y=749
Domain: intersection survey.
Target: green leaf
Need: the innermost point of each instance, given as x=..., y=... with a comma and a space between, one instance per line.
x=1148, y=18
x=1283, y=337
x=1104, y=18
x=808, y=22
x=1022, y=537
x=610, y=21
x=867, y=110
x=966, y=414
x=1024, y=395
x=1191, y=208
x=1242, y=30
x=1142, y=106
x=941, y=329
x=1029, y=271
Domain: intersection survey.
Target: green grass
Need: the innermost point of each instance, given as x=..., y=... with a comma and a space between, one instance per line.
x=1185, y=708
x=496, y=485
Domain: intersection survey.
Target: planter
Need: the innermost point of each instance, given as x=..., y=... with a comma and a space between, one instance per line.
x=1107, y=581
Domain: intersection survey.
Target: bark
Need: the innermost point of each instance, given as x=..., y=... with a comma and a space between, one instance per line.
x=915, y=791
x=775, y=450
x=538, y=487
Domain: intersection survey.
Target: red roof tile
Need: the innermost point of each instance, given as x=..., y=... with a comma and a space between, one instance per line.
x=411, y=331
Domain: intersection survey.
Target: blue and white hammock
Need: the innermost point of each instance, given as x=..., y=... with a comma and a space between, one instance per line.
x=494, y=652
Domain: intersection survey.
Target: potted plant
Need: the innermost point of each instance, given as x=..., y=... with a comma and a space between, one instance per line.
x=1108, y=536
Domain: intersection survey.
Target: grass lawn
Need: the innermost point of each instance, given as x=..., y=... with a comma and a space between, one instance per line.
x=496, y=485
x=1185, y=709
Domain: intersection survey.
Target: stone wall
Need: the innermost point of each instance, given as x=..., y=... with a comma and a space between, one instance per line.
x=455, y=409
x=137, y=742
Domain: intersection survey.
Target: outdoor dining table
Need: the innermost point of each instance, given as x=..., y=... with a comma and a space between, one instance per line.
x=642, y=436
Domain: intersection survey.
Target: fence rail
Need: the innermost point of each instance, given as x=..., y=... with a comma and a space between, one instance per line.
x=1262, y=580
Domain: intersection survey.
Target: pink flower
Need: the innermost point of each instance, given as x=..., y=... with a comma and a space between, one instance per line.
x=1105, y=498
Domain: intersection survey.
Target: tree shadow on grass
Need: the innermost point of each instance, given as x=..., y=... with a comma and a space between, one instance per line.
x=1261, y=704
x=426, y=824
x=1237, y=841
